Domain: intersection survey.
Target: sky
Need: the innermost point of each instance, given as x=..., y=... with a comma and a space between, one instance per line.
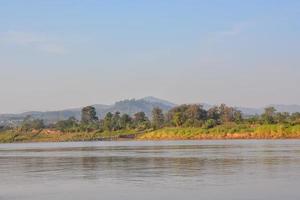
x=57, y=54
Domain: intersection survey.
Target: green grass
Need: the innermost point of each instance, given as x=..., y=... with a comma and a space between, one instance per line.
x=226, y=131
x=44, y=136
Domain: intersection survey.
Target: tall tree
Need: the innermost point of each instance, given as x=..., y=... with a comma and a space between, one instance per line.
x=125, y=121
x=229, y=114
x=177, y=116
x=29, y=124
x=213, y=113
x=70, y=124
x=141, y=121
x=157, y=118
x=116, y=121
x=140, y=117
x=88, y=115
x=107, y=123
x=269, y=115
x=195, y=114
x=178, y=119
x=295, y=117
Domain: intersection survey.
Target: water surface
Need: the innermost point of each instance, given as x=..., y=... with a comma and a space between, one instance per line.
x=190, y=170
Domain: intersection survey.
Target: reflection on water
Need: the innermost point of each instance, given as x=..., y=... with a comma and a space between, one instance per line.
x=151, y=170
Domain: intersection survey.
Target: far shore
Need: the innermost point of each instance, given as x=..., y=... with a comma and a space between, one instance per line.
x=262, y=132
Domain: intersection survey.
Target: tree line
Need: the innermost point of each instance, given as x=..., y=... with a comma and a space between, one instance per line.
x=187, y=115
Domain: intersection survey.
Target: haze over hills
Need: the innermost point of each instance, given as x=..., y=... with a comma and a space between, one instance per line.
x=129, y=106
x=125, y=106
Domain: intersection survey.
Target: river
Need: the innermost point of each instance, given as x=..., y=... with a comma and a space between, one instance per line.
x=135, y=170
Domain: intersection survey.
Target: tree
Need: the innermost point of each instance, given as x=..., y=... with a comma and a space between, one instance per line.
x=141, y=121
x=70, y=124
x=224, y=113
x=108, y=121
x=177, y=116
x=187, y=115
x=213, y=113
x=195, y=115
x=229, y=114
x=116, y=121
x=295, y=117
x=282, y=117
x=178, y=119
x=37, y=124
x=140, y=117
x=125, y=121
x=157, y=118
x=88, y=115
x=269, y=115
x=238, y=116
x=29, y=124
x=253, y=119
x=210, y=123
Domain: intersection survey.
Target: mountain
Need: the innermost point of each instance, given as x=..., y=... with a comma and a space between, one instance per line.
x=278, y=107
x=129, y=106
x=133, y=106
x=258, y=111
x=151, y=99
x=250, y=111
x=287, y=108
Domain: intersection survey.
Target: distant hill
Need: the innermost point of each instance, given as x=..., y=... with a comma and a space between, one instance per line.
x=287, y=108
x=132, y=106
x=126, y=106
x=278, y=107
x=259, y=111
x=158, y=101
x=129, y=106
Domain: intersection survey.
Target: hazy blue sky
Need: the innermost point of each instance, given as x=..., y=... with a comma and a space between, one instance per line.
x=60, y=53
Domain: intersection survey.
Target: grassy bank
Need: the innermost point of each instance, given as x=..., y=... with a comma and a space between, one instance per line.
x=229, y=131
x=225, y=132
x=56, y=136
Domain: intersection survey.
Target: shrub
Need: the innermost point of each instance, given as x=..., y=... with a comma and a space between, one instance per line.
x=210, y=124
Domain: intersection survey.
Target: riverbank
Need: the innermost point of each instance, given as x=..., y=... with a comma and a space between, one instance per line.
x=220, y=132
x=262, y=132
x=57, y=136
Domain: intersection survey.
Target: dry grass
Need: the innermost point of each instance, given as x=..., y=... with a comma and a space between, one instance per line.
x=225, y=132
x=57, y=136
x=228, y=131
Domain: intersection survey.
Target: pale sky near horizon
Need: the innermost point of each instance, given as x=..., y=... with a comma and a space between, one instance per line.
x=58, y=54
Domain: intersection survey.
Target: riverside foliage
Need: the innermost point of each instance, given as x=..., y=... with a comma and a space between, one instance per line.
x=181, y=122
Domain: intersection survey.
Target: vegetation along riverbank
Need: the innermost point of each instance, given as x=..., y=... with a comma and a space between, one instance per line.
x=184, y=122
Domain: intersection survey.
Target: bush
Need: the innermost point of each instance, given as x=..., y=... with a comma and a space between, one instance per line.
x=210, y=124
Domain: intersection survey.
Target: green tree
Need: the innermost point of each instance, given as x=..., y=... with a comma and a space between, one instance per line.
x=116, y=121
x=282, y=117
x=177, y=116
x=70, y=124
x=269, y=115
x=295, y=118
x=125, y=121
x=107, y=122
x=210, y=123
x=253, y=119
x=37, y=124
x=141, y=121
x=229, y=114
x=178, y=119
x=238, y=116
x=213, y=113
x=29, y=124
x=195, y=115
x=88, y=115
x=157, y=118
